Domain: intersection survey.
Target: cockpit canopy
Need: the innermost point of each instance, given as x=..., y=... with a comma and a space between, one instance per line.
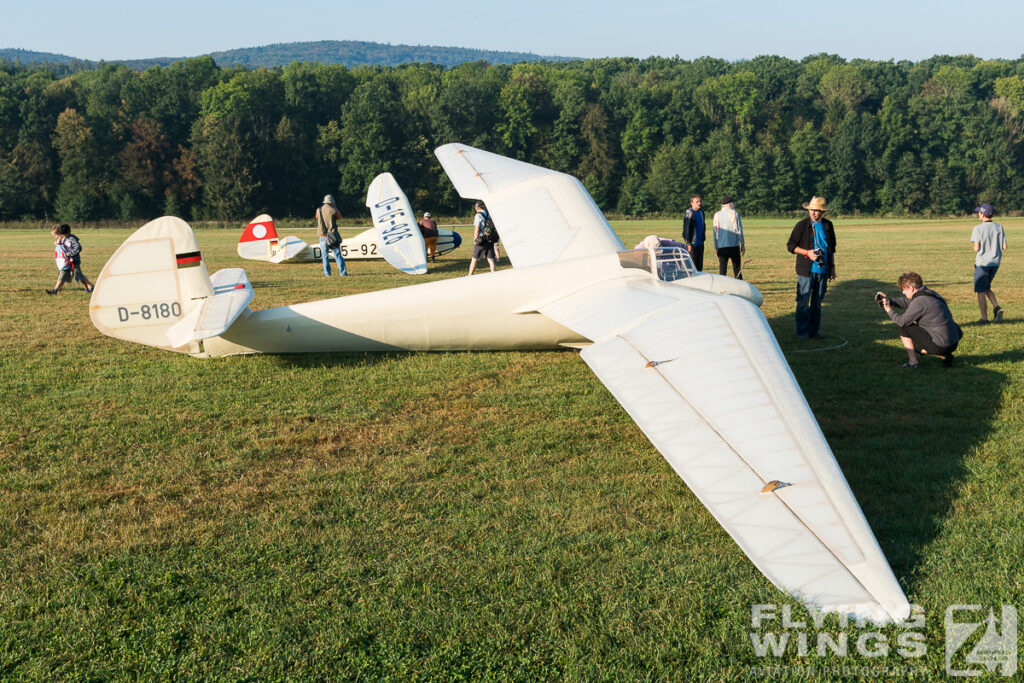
x=665, y=263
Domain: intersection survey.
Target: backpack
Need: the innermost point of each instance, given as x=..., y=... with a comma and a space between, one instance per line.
x=72, y=247
x=488, y=233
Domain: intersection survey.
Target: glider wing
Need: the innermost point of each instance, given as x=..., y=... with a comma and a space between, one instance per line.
x=401, y=243
x=702, y=375
x=541, y=215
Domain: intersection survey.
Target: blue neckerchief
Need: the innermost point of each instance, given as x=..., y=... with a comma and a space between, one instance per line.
x=698, y=229
x=820, y=243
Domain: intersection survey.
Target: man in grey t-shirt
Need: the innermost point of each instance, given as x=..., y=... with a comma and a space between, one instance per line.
x=989, y=241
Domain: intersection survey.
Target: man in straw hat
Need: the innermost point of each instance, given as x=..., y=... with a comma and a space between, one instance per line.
x=813, y=240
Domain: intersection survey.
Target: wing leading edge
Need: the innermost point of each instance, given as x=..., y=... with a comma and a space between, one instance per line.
x=731, y=425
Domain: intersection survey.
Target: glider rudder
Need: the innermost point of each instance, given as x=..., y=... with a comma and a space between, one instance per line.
x=259, y=240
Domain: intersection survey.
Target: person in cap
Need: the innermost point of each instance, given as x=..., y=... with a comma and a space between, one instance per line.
x=428, y=228
x=330, y=240
x=926, y=325
x=694, y=231
x=989, y=241
x=813, y=240
x=729, y=244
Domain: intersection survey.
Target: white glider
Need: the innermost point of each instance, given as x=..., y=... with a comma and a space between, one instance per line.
x=689, y=355
x=259, y=242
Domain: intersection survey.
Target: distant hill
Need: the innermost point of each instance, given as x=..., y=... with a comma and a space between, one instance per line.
x=348, y=52
x=32, y=57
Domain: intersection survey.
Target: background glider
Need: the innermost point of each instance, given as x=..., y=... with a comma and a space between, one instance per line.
x=260, y=242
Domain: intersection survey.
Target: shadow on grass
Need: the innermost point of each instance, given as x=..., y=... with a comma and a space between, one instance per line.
x=901, y=436
x=316, y=361
x=461, y=265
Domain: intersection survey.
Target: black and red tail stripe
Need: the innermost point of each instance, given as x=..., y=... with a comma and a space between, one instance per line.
x=189, y=260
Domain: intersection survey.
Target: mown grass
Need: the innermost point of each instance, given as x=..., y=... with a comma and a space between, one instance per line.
x=464, y=515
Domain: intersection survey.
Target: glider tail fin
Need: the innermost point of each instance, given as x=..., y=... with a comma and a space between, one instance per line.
x=154, y=282
x=259, y=240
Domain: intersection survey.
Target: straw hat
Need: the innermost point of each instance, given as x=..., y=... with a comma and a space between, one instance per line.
x=816, y=204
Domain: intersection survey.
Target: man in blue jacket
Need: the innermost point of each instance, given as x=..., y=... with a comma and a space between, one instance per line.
x=694, y=231
x=813, y=240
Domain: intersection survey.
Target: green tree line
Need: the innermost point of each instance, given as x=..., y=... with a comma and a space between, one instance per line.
x=199, y=141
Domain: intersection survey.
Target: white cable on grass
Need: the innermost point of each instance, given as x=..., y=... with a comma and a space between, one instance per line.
x=827, y=348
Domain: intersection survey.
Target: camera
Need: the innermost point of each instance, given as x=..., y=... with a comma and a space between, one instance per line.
x=880, y=299
x=818, y=252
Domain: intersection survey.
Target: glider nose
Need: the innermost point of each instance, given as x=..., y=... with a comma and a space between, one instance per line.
x=456, y=240
x=752, y=294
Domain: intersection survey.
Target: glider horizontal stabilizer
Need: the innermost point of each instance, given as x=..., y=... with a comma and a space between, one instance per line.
x=214, y=314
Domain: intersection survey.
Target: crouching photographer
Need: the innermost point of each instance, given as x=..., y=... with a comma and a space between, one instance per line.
x=926, y=325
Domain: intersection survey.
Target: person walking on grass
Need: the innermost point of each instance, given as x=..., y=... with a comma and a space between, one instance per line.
x=64, y=263
x=485, y=238
x=989, y=241
x=67, y=250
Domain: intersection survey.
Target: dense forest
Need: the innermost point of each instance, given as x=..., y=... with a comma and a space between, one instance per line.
x=201, y=141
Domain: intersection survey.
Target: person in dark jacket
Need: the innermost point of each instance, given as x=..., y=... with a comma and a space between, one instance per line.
x=813, y=240
x=926, y=325
x=428, y=228
x=694, y=231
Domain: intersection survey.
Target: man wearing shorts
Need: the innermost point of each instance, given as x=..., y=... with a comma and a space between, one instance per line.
x=482, y=248
x=989, y=240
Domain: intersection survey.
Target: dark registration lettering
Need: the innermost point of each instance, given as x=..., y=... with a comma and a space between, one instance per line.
x=157, y=311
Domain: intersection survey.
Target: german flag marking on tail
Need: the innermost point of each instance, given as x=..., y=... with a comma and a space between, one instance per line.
x=189, y=260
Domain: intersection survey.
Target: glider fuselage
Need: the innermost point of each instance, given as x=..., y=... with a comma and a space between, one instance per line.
x=487, y=311
x=491, y=311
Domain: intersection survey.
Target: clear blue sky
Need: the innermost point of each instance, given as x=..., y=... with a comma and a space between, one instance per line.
x=875, y=29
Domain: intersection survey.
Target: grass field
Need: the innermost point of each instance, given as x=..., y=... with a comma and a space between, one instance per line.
x=470, y=515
